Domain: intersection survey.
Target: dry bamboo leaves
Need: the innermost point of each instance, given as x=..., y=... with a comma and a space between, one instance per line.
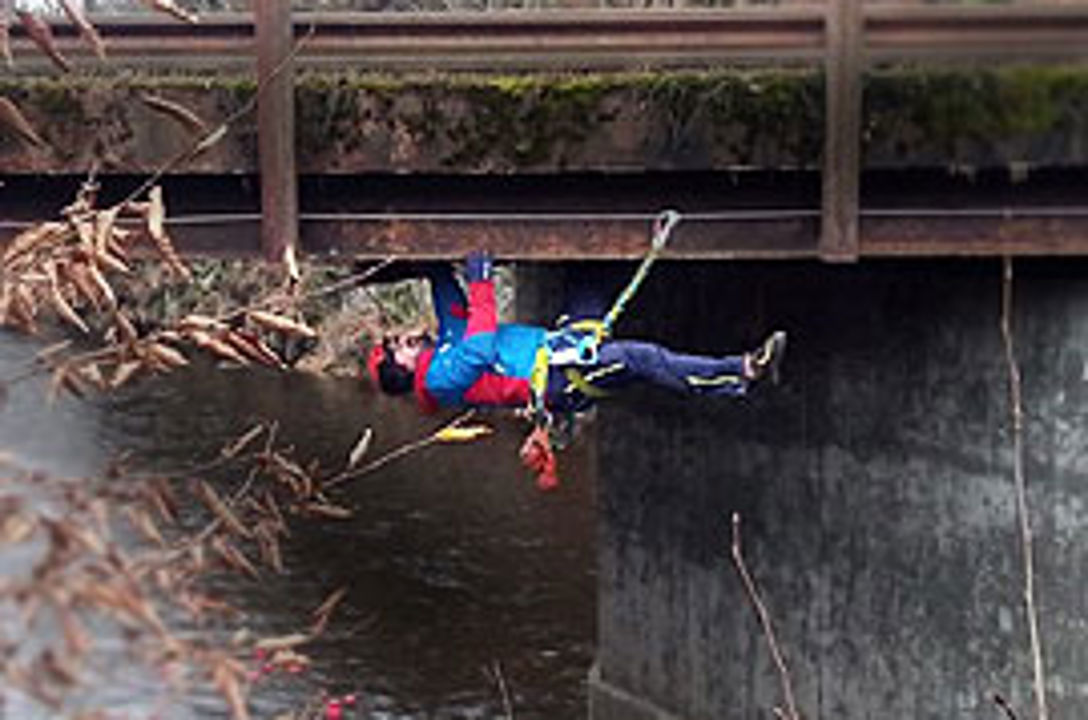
x=327, y=510
x=228, y=676
x=41, y=35
x=86, y=30
x=66, y=265
x=5, y=33
x=220, y=509
x=243, y=441
x=279, y=323
x=359, y=450
x=283, y=642
x=70, y=270
x=460, y=434
x=67, y=270
x=174, y=10
x=324, y=611
x=177, y=112
x=15, y=123
x=84, y=579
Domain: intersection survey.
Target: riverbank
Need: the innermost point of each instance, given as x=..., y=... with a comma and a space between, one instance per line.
x=347, y=321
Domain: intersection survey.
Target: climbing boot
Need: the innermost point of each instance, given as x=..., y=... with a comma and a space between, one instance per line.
x=765, y=360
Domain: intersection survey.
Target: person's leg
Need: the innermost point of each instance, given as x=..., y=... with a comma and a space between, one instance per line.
x=622, y=362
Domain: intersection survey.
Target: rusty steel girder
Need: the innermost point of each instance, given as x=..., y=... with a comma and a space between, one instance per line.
x=767, y=235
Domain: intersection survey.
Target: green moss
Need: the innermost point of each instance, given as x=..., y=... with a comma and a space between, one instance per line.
x=728, y=117
x=746, y=115
x=948, y=112
x=524, y=121
x=58, y=99
x=53, y=106
x=512, y=122
x=325, y=110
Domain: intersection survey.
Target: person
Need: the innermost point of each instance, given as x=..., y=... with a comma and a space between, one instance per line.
x=474, y=360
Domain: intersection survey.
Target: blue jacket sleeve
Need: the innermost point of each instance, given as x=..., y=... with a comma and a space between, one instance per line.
x=456, y=367
x=450, y=304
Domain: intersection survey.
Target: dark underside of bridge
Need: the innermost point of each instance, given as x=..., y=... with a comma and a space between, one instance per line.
x=742, y=214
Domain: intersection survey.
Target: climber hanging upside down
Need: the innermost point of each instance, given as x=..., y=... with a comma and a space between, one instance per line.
x=475, y=361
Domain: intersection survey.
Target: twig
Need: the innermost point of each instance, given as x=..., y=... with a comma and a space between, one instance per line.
x=1017, y=412
x=350, y=280
x=213, y=137
x=1002, y=703
x=790, y=712
x=394, y=454
x=504, y=693
x=213, y=525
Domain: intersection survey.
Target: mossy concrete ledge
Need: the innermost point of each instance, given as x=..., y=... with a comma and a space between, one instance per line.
x=542, y=123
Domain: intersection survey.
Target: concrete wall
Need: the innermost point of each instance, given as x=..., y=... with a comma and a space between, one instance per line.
x=876, y=492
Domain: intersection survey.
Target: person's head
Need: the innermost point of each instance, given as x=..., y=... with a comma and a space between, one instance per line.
x=392, y=364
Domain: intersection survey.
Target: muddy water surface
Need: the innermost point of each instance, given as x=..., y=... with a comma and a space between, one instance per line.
x=454, y=563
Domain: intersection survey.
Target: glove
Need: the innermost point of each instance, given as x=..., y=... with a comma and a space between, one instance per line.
x=478, y=266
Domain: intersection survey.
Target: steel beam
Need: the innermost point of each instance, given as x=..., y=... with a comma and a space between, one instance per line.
x=882, y=235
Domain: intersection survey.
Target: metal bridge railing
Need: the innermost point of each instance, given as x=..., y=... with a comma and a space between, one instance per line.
x=105, y=7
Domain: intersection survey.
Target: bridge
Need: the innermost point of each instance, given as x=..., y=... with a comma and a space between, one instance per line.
x=760, y=124
x=861, y=166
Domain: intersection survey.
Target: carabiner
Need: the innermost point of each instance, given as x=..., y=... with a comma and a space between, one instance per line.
x=663, y=226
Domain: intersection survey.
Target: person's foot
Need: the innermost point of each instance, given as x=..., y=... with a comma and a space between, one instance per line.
x=765, y=360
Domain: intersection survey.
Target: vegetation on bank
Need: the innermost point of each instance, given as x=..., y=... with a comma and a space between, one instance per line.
x=129, y=316
x=110, y=561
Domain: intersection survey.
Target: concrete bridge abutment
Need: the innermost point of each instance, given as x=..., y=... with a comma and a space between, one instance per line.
x=875, y=490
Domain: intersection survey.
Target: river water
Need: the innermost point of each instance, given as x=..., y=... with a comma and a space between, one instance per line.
x=455, y=564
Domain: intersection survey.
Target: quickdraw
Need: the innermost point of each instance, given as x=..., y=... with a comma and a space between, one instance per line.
x=576, y=344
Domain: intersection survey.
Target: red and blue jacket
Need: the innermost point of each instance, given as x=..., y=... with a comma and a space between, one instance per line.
x=475, y=361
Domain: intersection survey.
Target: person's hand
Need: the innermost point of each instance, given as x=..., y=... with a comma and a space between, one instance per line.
x=478, y=266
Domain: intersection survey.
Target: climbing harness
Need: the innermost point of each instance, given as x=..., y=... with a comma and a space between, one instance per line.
x=576, y=344
x=573, y=346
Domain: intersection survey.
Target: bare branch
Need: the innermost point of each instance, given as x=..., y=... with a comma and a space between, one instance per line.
x=395, y=453
x=500, y=681
x=1017, y=412
x=1002, y=703
x=790, y=713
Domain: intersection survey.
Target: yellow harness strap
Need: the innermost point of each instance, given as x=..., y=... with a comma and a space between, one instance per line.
x=578, y=382
x=538, y=377
x=590, y=325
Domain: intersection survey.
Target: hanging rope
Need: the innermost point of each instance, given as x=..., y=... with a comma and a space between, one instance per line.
x=577, y=344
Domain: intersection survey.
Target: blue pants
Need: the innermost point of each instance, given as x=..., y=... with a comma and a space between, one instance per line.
x=621, y=363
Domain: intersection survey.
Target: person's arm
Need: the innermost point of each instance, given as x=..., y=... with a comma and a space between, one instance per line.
x=457, y=367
